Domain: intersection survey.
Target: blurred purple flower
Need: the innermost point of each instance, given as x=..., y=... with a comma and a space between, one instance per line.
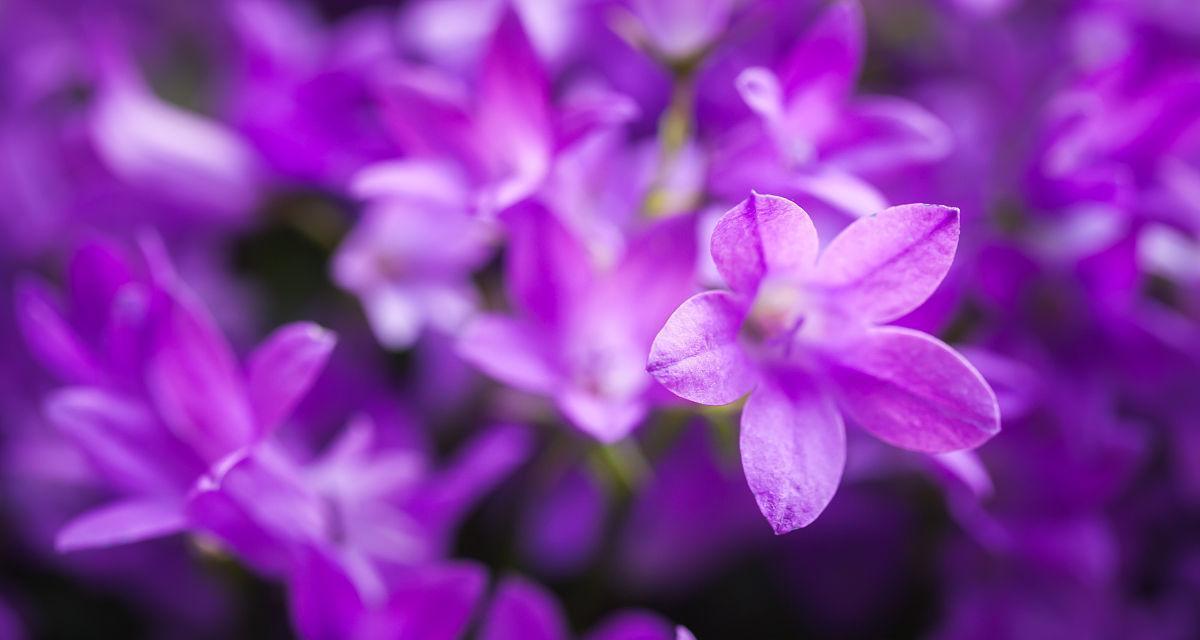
x=801, y=333
x=156, y=395
x=523, y=609
x=581, y=330
x=812, y=137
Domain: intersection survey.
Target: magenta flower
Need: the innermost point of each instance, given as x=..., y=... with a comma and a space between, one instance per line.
x=523, y=609
x=581, y=330
x=813, y=136
x=802, y=332
x=157, y=395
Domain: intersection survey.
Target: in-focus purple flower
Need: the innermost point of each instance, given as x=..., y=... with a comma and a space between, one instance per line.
x=813, y=137
x=580, y=330
x=804, y=334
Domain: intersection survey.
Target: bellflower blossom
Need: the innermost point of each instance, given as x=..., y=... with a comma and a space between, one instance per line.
x=156, y=395
x=580, y=330
x=813, y=137
x=470, y=157
x=802, y=333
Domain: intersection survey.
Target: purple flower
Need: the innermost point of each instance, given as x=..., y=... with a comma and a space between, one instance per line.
x=372, y=511
x=581, y=331
x=802, y=333
x=523, y=609
x=411, y=256
x=156, y=394
x=813, y=137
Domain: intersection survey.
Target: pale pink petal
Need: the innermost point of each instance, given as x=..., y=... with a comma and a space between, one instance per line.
x=697, y=354
x=886, y=265
x=913, y=391
x=793, y=448
x=121, y=523
x=763, y=235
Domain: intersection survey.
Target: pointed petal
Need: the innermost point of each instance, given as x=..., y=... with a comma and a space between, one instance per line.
x=322, y=599
x=547, y=268
x=510, y=352
x=763, y=235
x=913, y=391
x=122, y=522
x=425, y=110
x=481, y=465
x=884, y=133
x=697, y=355
x=49, y=338
x=793, y=447
x=829, y=57
x=842, y=190
x=514, y=120
x=283, y=367
x=121, y=439
x=522, y=610
x=592, y=109
x=606, y=419
x=197, y=384
x=97, y=273
x=886, y=265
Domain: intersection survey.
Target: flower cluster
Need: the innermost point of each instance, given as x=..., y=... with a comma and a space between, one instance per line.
x=613, y=319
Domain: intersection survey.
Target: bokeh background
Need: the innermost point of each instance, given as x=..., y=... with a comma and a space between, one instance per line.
x=234, y=135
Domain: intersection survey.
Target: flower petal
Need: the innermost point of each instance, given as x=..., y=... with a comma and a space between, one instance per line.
x=514, y=121
x=883, y=133
x=196, y=382
x=604, y=418
x=697, y=355
x=829, y=57
x=509, y=351
x=433, y=602
x=283, y=367
x=483, y=463
x=793, y=447
x=523, y=610
x=121, y=439
x=632, y=625
x=842, y=190
x=547, y=268
x=913, y=391
x=49, y=338
x=884, y=266
x=761, y=235
x=121, y=523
